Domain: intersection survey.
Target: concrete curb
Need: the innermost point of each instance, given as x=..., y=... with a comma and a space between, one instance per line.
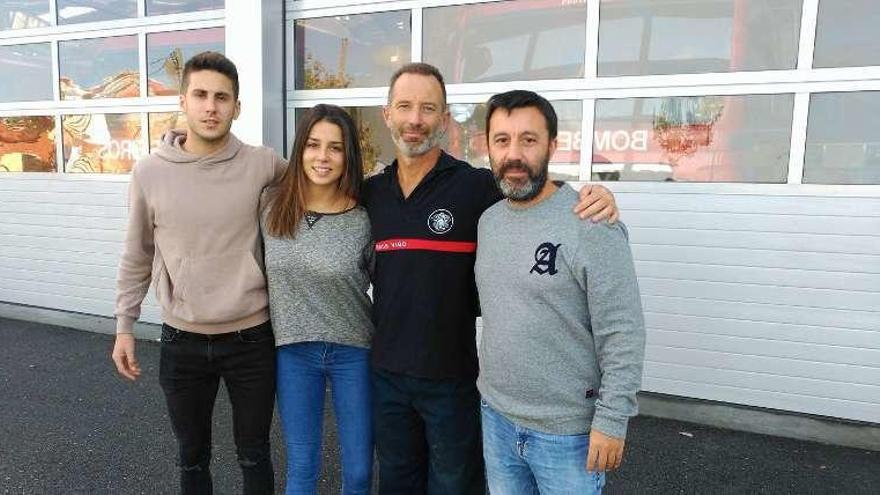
x=79, y=321
x=832, y=431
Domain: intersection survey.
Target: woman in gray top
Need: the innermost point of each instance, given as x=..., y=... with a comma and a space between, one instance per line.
x=318, y=255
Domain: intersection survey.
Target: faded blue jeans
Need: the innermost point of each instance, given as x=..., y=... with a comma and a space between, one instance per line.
x=303, y=371
x=522, y=461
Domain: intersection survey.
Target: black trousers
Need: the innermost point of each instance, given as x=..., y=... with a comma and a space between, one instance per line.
x=428, y=435
x=190, y=368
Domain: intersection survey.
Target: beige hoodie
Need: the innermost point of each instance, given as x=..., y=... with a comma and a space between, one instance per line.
x=193, y=231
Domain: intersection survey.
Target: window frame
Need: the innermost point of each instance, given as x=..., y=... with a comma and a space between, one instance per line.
x=143, y=104
x=801, y=81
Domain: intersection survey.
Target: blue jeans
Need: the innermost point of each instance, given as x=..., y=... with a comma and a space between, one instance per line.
x=427, y=435
x=303, y=371
x=521, y=461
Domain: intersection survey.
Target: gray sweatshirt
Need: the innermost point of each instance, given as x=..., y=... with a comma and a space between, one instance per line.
x=318, y=281
x=563, y=337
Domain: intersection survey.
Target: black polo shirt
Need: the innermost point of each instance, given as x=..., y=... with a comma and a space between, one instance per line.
x=424, y=294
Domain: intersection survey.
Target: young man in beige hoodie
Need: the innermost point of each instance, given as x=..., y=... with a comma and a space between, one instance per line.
x=193, y=231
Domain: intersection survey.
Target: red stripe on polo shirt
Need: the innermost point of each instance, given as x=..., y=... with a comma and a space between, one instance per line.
x=425, y=245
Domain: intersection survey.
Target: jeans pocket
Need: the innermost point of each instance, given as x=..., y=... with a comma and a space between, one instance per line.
x=256, y=335
x=169, y=334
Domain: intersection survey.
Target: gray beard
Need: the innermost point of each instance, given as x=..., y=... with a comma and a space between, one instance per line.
x=525, y=192
x=414, y=150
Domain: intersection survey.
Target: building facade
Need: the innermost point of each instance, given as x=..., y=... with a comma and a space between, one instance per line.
x=739, y=137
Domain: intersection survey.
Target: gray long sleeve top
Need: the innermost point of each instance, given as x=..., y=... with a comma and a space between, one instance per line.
x=318, y=281
x=563, y=339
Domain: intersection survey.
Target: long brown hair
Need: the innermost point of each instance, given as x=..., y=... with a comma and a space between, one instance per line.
x=287, y=200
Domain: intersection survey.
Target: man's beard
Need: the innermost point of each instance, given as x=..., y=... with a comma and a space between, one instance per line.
x=522, y=191
x=431, y=141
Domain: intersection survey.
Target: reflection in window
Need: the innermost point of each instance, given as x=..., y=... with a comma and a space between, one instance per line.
x=27, y=72
x=846, y=33
x=159, y=7
x=742, y=138
x=466, y=138
x=75, y=11
x=27, y=144
x=168, y=52
x=843, y=140
x=350, y=50
x=506, y=41
x=162, y=122
x=99, y=68
x=24, y=14
x=101, y=143
x=696, y=36
x=376, y=146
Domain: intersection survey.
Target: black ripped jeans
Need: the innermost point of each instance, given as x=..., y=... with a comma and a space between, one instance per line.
x=190, y=368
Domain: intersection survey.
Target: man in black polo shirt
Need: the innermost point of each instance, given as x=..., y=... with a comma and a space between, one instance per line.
x=424, y=210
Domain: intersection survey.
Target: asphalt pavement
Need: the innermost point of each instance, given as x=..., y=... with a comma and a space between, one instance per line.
x=69, y=424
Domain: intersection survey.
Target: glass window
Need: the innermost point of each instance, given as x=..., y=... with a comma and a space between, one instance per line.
x=27, y=144
x=843, y=139
x=506, y=41
x=159, y=7
x=350, y=50
x=466, y=137
x=24, y=14
x=162, y=122
x=694, y=36
x=101, y=143
x=30, y=66
x=99, y=68
x=167, y=52
x=742, y=138
x=846, y=33
x=75, y=11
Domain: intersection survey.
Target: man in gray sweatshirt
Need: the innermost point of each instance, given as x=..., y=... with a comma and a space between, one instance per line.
x=563, y=339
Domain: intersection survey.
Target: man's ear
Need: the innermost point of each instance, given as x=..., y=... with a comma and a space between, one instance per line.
x=446, y=118
x=237, y=110
x=552, y=148
x=386, y=115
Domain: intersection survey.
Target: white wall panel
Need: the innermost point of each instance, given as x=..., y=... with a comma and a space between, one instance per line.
x=768, y=258
x=761, y=276
x=852, y=409
x=766, y=300
x=816, y=243
x=61, y=237
x=865, y=320
x=791, y=332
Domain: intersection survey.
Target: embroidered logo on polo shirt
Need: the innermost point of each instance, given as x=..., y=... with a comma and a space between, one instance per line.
x=440, y=221
x=545, y=259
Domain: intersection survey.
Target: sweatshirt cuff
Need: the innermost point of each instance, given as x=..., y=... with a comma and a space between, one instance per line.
x=610, y=424
x=124, y=324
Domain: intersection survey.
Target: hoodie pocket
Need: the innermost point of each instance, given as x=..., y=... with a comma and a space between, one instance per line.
x=164, y=283
x=218, y=289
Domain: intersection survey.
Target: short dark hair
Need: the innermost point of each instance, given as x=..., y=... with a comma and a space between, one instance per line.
x=520, y=98
x=421, y=69
x=214, y=61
